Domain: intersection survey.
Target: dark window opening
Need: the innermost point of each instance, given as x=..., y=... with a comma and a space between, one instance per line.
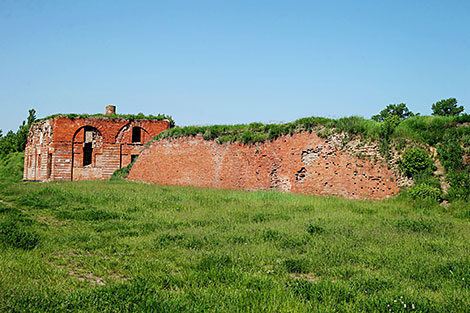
x=133, y=157
x=136, y=133
x=87, y=153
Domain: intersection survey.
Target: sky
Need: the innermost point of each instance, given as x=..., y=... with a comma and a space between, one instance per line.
x=227, y=62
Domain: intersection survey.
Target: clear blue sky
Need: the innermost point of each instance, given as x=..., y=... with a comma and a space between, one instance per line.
x=217, y=62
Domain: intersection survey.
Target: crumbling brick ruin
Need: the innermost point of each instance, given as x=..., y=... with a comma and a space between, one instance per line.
x=65, y=148
x=300, y=163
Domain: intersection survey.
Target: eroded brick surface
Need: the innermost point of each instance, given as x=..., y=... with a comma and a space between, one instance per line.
x=301, y=163
x=64, y=149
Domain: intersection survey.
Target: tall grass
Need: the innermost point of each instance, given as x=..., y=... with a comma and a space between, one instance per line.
x=11, y=167
x=258, y=132
x=118, y=246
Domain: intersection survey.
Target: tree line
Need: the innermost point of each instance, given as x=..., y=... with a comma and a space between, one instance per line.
x=16, y=141
x=392, y=114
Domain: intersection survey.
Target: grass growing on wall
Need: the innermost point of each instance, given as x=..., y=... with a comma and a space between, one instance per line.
x=117, y=246
x=258, y=132
x=129, y=117
x=422, y=129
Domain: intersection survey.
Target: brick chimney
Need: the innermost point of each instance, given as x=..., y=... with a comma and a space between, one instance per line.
x=110, y=109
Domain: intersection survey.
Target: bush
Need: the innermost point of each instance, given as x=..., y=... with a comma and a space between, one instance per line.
x=425, y=192
x=460, y=185
x=450, y=151
x=414, y=161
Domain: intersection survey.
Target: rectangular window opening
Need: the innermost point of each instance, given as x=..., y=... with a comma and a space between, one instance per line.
x=133, y=157
x=136, y=134
x=87, y=153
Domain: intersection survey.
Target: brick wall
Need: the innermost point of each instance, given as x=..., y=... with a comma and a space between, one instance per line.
x=56, y=147
x=301, y=163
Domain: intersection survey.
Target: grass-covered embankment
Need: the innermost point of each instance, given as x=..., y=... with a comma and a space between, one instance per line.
x=119, y=246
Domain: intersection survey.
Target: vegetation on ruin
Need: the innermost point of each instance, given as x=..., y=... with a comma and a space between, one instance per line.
x=122, y=173
x=421, y=129
x=129, y=117
x=118, y=246
x=448, y=130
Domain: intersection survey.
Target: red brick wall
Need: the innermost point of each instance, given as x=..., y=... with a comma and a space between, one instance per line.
x=302, y=163
x=58, y=144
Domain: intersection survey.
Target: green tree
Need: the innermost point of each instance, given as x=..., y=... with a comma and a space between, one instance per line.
x=13, y=142
x=399, y=110
x=447, y=107
x=22, y=134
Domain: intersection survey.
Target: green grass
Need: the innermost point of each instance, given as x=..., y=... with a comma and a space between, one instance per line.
x=11, y=167
x=422, y=129
x=258, y=132
x=117, y=246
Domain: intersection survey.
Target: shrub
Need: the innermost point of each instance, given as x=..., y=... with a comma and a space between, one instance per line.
x=415, y=160
x=425, y=192
x=460, y=185
x=450, y=151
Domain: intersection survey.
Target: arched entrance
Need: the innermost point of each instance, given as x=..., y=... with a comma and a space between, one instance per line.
x=87, y=148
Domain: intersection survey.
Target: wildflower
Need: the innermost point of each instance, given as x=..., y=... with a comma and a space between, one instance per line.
x=404, y=305
x=412, y=306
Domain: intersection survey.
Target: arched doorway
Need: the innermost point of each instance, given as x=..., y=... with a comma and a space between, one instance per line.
x=87, y=148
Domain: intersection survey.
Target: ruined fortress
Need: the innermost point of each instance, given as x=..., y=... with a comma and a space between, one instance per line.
x=65, y=148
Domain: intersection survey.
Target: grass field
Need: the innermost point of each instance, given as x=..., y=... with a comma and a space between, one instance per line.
x=117, y=246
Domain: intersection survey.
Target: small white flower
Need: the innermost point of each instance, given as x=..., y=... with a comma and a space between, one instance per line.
x=404, y=305
x=412, y=306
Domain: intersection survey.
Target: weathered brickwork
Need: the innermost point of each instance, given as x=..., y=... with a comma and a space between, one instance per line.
x=64, y=149
x=301, y=163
